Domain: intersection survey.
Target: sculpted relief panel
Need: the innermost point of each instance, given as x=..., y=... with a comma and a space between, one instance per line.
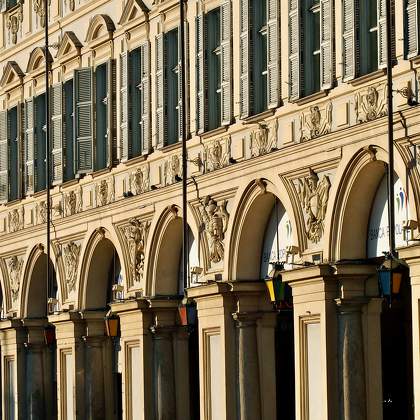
x=316, y=122
x=14, y=267
x=71, y=255
x=371, y=105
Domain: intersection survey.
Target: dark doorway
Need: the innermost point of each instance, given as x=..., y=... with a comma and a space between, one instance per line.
x=397, y=357
x=194, y=372
x=285, y=366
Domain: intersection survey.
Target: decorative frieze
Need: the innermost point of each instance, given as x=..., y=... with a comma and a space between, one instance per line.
x=370, y=105
x=105, y=192
x=14, y=266
x=16, y=219
x=172, y=169
x=313, y=194
x=14, y=22
x=264, y=138
x=71, y=254
x=73, y=202
x=41, y=212
x=316, y=122
x=140, y=180
x=215, y=219
x=39, y=9
x=217, y=154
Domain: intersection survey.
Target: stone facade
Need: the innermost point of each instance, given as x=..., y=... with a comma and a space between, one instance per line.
x=116, y=234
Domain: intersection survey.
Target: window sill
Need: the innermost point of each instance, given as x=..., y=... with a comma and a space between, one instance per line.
x=214, y=132
x=136, y=159
x=259, y=117
x=415, y=59
x=69, y=182
x=100, y=172
x=171, y=147
x=310, y=98
x=12, y=202
x=367, y=77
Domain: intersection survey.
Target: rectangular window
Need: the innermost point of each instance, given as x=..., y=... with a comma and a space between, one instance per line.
x=68, y=129
x=101, y=102
x=13, y=140
x=368, y=37
x=411, y=17
x=135, y=96
x=40, y=164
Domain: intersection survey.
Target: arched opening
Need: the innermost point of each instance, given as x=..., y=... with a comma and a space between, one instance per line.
x=396, y=326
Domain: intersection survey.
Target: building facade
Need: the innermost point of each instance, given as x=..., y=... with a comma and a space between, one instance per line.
x=287, y=152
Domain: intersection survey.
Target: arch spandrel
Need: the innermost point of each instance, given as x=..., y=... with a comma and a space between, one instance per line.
x=358, y=177
x=253, y=206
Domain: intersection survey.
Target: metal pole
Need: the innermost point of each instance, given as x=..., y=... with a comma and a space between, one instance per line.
x=184, y=148
x=47, y=147
x=391, y=214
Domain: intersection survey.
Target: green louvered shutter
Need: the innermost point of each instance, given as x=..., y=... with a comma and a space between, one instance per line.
x=245, y=53
x=4, y=158
x=350, y=45
x=57, y=133
x=84, y=120
x=382, y=33
x=226, y=60
x=326, y=59
x=111, y=109
x=201, y=76
x=412, y=28
x=14, y=131
x=180, y=74
x=30, y=147
x=125, y=106
x=273, y=67
x=145, y=98
x=295, y=79
x=160, y=92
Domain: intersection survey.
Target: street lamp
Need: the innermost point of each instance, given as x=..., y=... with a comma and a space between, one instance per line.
x=279, y=294
x=187, y=313
x=390, y=275
x=111, y=325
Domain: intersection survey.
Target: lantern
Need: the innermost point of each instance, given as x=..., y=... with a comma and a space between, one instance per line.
x=49, y=335
x=111, y=325
x=279, y=292
x=390, y=275
x=187, y=313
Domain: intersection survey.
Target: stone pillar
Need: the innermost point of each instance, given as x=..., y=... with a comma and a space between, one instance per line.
x=249, y=372
x=351, y=365
x=164, y=378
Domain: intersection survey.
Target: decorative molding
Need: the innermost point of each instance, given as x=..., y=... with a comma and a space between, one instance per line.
x=15, y=265
x=11, y=73
x=264, y=138
x=313, y=194
x=14, y=21
x=39, y=9
x=316, y=122
x=71, y=254
x=69, y=44
x=131, y=9
x=370, y=105
x=215, y=219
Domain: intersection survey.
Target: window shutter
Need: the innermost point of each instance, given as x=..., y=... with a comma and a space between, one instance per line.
x=326, y=59
x=382, y=34
x=273, y=66
x=125, y=106
x=226, y=61
x=294, y=50
x=160, y=92
x=111, y=104
x=180, y=72
x=4, y=158
x=30, y=147
x=57, y=133
x=350, y=50
x=145, y=97
x=84, y=120
x=201, y=121
x=245, y=50
x=412, y=28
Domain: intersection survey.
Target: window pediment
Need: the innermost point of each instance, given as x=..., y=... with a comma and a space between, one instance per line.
x=12, y=74
x=37, y=60
x=132, y=10
x=100, y=29
x=69, y=46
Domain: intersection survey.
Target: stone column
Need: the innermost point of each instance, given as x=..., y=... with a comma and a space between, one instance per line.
x=249, y=372
x=165, y=404
x=351, y=359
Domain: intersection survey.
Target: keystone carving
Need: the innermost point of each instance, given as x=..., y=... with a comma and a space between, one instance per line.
x=71, y=253
x=16, y=219
x=370, y=105
x=315, y=123
x=15, y=265
x=264, y=138
x=313, y=194
x=171, y=169
x=217, y=154
x=215, y=219
x=140, y=180
x=105, y=192
x=136, y=234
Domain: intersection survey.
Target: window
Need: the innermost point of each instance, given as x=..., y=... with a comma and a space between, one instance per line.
x=364, y=37
x=259, y=56
x=310, y=47
x=9, y=155
x=411, y=28
x=101, y=126
x=213, y=40
x=68, y=130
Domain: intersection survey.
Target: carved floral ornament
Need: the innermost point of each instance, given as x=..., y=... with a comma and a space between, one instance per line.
x=71, y=254
x=370, y=105
x=14, y=266
x=215, y=219
x=313, y=194
x=136, y=233
x=316, y=122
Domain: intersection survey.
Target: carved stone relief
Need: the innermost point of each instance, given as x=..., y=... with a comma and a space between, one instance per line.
x=73, y=202
x=105, y=192
x=217, y=154
x=215, y=219
x=41, y=212
x=370, y=105
x=140, y=180
x=264, y=138
x=39, y=9
x=313, y=194
x=316, y=122
x=71, y=254
x=71, y=5
x=136, y=233
x=172, y=168
x=15, y=265
x=14, y=22
x=16, y=219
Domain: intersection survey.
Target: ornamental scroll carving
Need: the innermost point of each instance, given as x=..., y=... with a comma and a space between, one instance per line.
x=370, y=105
x=71, y=254
x=105, y=192
x=16, y=219
x=316, y=122
x=215, y=219
x=15, y=265
x=313, y=194
x=136, y=234
x=217, y=154
x=264, y=138
x=140, y=180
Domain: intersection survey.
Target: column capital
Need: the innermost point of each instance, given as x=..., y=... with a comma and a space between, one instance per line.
x=246, y=319
x=162, y=332
x=351, y=305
